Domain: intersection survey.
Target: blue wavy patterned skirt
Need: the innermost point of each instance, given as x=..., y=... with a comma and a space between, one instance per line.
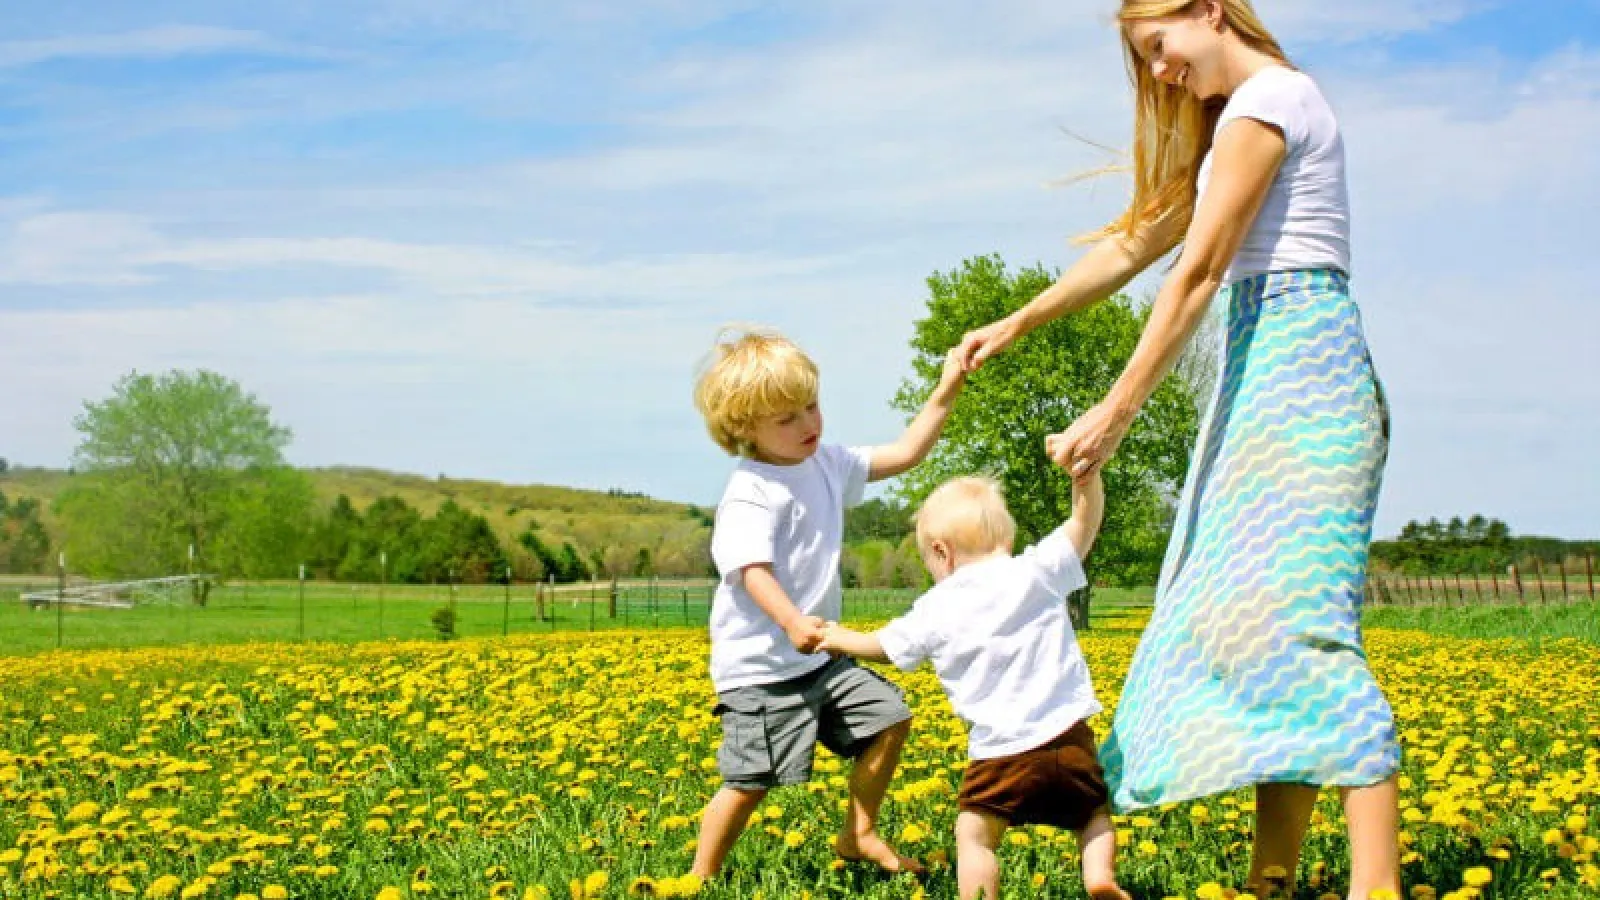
x=1251, y=669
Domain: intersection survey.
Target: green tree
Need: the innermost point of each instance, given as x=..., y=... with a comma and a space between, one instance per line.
x=1038, y=387
x=390, y=529
x=169, y=462
x=268, y=526
x=460, y=544
x=24, y=543
x=884, y=518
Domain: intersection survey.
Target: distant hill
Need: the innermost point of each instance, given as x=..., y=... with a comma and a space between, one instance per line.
x=583, y=517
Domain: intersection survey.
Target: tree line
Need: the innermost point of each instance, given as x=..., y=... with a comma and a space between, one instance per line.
x=1474, y=544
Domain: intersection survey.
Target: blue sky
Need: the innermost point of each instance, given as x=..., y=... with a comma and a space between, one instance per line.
x=493, y=239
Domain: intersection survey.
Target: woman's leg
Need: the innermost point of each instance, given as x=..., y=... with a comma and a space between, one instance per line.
x=1282, y=813
x=1373, y=814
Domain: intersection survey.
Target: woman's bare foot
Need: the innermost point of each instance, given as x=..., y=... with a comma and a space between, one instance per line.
x=872, y=848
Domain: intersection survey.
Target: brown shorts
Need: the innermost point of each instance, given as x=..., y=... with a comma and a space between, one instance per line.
x=1060, y=783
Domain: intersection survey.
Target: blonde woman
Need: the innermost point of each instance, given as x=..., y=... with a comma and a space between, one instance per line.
x=1251, y=671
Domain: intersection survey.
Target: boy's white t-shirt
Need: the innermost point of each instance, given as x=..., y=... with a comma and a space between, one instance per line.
x=793, y=518
x=997, y=634
x=1304, y=222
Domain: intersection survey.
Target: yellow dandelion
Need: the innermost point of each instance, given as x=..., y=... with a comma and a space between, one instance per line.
x=165, y=886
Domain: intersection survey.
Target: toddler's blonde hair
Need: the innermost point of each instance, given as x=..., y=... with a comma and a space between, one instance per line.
x=969, y=513
x=751, y=373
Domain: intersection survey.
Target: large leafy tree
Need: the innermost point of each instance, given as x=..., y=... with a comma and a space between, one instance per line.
x=1038, y=387
x=180, y=460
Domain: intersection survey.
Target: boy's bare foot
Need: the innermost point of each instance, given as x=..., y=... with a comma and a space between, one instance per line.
x=1106, y=891
x=872, y=848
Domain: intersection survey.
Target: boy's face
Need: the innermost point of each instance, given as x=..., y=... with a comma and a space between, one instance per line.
x=789, y=438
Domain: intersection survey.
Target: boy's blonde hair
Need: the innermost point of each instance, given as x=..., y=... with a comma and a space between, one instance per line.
x=750, y=374
x=968, y=513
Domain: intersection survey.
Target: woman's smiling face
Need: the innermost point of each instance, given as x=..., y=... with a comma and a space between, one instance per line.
x=1183, y=50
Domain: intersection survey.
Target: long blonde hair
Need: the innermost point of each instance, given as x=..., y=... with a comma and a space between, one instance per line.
x=1172, y=128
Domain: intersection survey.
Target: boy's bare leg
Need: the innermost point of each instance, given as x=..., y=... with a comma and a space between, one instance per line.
x=1098, y=842
x=723, y=822
x=869, y=781
x=977, y=867
x=1283, y=811
x=1373, y=814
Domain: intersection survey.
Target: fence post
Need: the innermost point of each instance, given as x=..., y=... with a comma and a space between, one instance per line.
x=1588, y=567
x=505, y=620
x=383, y=581
x=1460, y=594
x=1494, y=580
x=61, y=594
x=1515, y=575
x=1561, y=567
x=1538, y=573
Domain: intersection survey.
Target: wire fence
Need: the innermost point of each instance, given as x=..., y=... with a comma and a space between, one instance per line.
x=38, y=615
x=41, y=615
x=69, y=612
x=1544, y=585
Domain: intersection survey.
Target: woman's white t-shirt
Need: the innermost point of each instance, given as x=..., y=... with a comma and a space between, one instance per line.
x=1304, y=222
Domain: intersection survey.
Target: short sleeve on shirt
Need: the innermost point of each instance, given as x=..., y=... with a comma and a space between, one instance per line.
x=1276, y=96
x=1057, y=561
x=744, y=533
x=909, y=640
x=848, y=468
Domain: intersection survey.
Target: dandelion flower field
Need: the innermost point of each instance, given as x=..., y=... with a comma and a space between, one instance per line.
x=574, y=765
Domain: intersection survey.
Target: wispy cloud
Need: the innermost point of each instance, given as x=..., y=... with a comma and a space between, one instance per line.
x=163, y=42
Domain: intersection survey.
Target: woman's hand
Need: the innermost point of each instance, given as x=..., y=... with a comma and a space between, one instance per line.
x=980, y=344
x=1088, y=443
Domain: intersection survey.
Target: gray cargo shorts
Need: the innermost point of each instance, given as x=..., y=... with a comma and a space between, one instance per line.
x=770, y=731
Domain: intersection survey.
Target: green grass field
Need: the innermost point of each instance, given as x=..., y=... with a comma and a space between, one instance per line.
x=354, y=613
x=1579, y=620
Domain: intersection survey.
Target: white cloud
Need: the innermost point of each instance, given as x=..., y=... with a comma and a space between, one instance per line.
x=146, y=43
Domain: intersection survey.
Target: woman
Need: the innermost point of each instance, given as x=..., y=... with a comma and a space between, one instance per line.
x=1251, y=671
